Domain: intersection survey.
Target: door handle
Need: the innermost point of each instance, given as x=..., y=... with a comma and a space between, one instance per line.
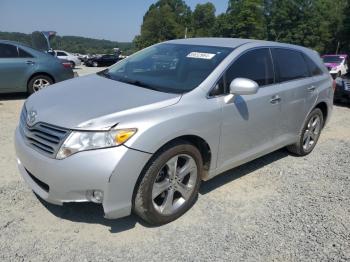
x=311, y=88
x=30, y=62
x=275, y=99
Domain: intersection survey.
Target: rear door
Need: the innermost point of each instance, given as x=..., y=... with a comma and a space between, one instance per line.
x=13, y=68
x=296, y=89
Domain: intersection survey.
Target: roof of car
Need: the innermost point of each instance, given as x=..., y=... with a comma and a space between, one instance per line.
x=217, y=41
x=340, y=55
x=231, y=42
x=11, y=42
x=17, y=43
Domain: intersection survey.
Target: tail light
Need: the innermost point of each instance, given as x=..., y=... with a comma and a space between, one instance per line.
x=66, y=65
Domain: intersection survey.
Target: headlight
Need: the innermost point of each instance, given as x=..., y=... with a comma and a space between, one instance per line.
x=82, y=141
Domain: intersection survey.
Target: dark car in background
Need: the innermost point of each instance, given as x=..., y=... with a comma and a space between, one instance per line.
x=24, y=69
x=342, y=90
x=104, y=60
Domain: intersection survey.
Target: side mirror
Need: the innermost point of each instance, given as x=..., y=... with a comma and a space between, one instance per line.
x=243, y=86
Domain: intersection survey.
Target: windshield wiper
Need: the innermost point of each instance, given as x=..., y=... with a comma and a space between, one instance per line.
x=137, y=83
x=105, y=73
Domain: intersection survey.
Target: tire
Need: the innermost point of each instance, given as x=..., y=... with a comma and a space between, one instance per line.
x=308, y=133
x=39, y=82
x=150, y=201
x=72, y=64
x=95, y=64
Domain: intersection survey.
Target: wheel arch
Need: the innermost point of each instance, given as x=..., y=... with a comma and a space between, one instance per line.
x=40, y=73
x=200, y=143
x=324, y=108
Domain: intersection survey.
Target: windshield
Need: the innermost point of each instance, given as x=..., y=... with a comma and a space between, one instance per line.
x=333, y=59
x=171, y=68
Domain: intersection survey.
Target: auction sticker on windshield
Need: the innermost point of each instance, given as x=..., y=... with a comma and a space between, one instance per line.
x=198, y=55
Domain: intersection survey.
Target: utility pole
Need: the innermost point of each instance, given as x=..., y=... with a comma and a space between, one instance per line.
x=336, y=52
x=186, y=32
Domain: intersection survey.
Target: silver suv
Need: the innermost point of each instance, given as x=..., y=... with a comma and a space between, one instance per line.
x=141, y=135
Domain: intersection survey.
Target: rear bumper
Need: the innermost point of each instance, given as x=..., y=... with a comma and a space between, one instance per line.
x=113, y=171
x=64, y=75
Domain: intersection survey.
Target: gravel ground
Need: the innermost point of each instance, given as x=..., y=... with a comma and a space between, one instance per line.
x=276, y=208
x=84, y=70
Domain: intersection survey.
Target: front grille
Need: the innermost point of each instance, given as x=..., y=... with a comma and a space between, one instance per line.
x=44, y=138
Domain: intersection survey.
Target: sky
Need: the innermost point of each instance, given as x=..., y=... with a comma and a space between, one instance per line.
x=118, y=20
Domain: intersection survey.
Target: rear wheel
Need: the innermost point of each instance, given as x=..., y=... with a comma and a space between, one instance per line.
x=38, y=82
x=309, y=134
x=170, y=184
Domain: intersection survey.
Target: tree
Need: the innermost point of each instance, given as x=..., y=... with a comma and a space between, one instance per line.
x=311, y=23
x=344, y=35
x=223, y=27
x=203, y=20
x=164, y=20
x=246, y=18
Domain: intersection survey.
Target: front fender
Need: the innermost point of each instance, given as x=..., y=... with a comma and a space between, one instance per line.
x=179, y=120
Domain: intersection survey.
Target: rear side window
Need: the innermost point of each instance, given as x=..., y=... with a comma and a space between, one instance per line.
x=255, y=65
x=290, y=64
x=23, y=54
x=8, y=51
x=313, y=68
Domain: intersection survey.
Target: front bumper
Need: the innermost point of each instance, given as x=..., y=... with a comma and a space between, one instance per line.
x=114, y=171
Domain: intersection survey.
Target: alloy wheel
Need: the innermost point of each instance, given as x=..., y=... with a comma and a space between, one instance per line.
x=174, y=184
x=312, y=132
x=39, y=84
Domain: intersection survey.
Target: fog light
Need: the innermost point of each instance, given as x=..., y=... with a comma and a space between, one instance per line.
x=97, y=196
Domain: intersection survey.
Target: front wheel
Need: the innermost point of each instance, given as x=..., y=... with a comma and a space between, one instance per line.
x=309, y=134
x=169, y=184
x=95, y=64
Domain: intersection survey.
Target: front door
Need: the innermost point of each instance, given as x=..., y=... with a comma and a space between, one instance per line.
x=12, y=69
x=250, y=123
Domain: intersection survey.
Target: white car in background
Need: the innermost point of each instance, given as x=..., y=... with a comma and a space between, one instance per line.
x=73, y=60
x=337, y=65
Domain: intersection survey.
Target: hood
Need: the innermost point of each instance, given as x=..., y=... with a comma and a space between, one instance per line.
x=84, y=102
x=332, y=64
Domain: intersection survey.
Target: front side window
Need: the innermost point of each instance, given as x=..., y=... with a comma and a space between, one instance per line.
x=255, y=65
x=290, y=64
x=172, y=68
x=8, y=51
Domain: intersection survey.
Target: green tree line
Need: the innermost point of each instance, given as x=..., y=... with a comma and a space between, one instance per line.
x=74, y=44
x=323, y=25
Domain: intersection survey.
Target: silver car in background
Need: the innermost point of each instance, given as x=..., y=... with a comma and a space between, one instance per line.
x=141, y=135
